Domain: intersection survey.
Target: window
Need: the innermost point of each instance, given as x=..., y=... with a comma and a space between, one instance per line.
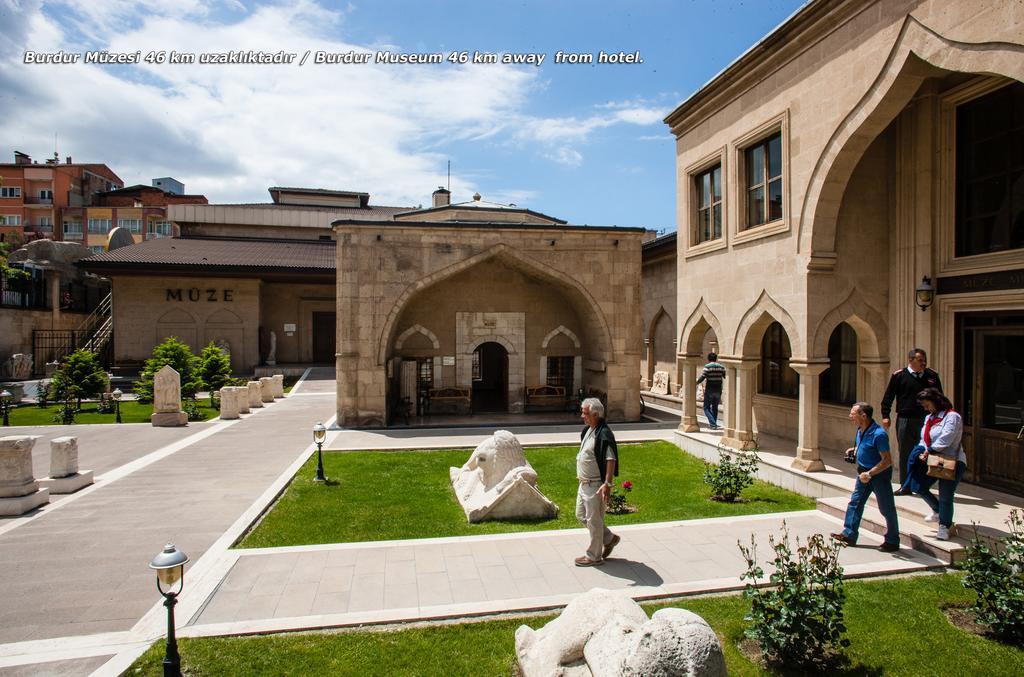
x=133, y=225
x=560, y=371
x=10, y=191
x=777, y=377
x=73, y=230
x=709, y=204
x=838, y=383
x=476, y=364
x=424, y=372
x=99, y=226
x=160, y=228
x=45, y=223
x=990, y=172
x=45, y=194
x=98, y=249
x=763, y=168
x=10, y=220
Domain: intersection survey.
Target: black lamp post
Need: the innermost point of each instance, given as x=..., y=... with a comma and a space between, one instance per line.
x=170, y=569
x=117, y=404
x=5, y=402
x=319, y=435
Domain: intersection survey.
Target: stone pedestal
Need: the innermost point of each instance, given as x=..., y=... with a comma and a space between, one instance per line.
x=19, y=491
x=65, y=477
x=167, y=399
x=242, y=393
x=255, y=394
x=278, y=385
x=808, y=456
x=229, y=403
x=688, y=365
x=266, y=389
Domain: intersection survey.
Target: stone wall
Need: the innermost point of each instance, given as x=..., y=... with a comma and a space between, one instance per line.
x=659, y=306
x=295, y=304
x=384, y=269
x=16, y=327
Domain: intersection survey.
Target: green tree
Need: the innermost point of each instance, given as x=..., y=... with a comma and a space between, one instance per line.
x=180, y=358
x=79, y=375
x=214, y=368
x=6, y=272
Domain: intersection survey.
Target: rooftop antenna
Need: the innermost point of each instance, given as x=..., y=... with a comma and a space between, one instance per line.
x=449, y=176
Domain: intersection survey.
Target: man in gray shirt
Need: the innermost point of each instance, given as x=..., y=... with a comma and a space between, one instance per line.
x=595, y=470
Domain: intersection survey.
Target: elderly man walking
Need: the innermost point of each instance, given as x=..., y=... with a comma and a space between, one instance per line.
x=595, y=469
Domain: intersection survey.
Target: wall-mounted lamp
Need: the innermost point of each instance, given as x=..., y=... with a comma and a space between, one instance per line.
x=615, y=242
x=924, y=295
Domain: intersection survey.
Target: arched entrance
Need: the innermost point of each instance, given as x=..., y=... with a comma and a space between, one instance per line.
x=490, y=378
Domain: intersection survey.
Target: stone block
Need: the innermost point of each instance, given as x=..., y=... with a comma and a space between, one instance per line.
x=242, y=393
x=63, y=456
x=255, y=394
x=278, y=385
x=266, y=389
x=660, y=385
x=169, y=419
x=68, y=484
x=166, y=391
x=229, y=403
x=16, y=477
x=19, y=505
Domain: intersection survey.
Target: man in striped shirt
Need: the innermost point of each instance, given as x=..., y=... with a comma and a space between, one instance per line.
x=713, y=374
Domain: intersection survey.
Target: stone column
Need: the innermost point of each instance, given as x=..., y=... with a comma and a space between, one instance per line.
x=649, y=353
x=167, y=399
x=19, y=491
x=741, y=426
x=871, y=388
x=242, y=393
x=279, y=385
x=688, y=366
x=55, y=297
x=727, y=420
x=808, y=455
x=65, y=477
x=229, y=403
x=255, y=394
x=266, y=389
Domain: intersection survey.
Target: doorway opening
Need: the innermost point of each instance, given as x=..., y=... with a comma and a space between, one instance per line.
x=324, y=330
x=490, y=378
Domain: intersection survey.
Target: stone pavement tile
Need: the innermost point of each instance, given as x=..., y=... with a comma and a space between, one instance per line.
x=433, y=589
x=308, y=568
x=401, y=596
x=341, y=557
x=487, y=554
x=399, y=554
x=369, y=562
x=224, y=606
x=543, y=551
x=257, y=606
x=367, y=592
x=296, y=600
x=521, y=566
x=468, y=590
x=400, y=573
x=330, y=603
x=457, y=549
x=336, y=579
x=109, y=611
x=77, y=666
x=429, y=559
x=280, y=562
x=498, y=582
x=460, y=567
x=271, y=582
x=510, y=547
x=534, y=587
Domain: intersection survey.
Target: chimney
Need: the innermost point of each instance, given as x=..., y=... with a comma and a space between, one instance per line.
x=21, y=158
x=442, y=197
x=476, y=197
x=67, y=160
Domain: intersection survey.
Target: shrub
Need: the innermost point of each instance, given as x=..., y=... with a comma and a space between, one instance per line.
x=43, y=394
x=106, y=404
x=191, y=407
x=617, y=500
x=730, y=477
x=66, y=411
x=797, y=620
x=179, y=356
x=80, y=374
x=997, y=576
x=214, y=368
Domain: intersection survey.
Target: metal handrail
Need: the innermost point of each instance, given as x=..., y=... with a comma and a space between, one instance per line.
x=101, y=311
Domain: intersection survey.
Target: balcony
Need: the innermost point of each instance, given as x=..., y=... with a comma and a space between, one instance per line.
x=73, y=235
x=38, y=201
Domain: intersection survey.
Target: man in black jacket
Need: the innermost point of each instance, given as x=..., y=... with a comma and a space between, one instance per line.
x=904, y=385
x=596, y=465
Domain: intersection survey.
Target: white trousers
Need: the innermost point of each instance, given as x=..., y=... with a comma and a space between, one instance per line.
x=590, y=510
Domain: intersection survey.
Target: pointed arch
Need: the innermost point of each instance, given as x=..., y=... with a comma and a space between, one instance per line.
x=494, y=338
x=591, y=311
x=747, y=342
x=696, y=326
x=224, y=316
x=652, y=327
x=177, y=316
x=560, y=329
x=417, y=329
x=872, y=329
x=918, y=53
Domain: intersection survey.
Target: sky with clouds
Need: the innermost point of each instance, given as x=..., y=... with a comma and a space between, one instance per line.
x=585, y=143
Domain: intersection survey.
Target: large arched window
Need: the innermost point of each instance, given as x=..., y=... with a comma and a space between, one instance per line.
x=838, y=383
x=777, y=377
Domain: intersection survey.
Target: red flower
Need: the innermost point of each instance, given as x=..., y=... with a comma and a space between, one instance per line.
x=627, y=485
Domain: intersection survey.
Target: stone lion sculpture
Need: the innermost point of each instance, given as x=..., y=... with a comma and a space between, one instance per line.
x=497, y=482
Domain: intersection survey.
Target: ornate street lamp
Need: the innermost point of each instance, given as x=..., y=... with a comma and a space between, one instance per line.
x=924, y=294
x=170, y=569
x=319, y=435
x=6, y=397
x=117, y=404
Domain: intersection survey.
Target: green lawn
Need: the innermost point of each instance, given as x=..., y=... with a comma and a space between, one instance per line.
x=131, y=412
x=895, y=627
x=382, y=495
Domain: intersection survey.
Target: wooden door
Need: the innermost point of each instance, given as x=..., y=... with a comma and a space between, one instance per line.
x=324, y=337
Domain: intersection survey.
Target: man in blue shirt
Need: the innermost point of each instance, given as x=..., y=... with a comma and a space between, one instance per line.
x=874, y=474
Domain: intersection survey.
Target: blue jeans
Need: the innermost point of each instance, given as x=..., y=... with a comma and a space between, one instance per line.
x=881, y=485
x=711, y=402
x=947, y=488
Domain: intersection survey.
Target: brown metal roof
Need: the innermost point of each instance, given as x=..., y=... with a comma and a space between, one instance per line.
x=210, y=253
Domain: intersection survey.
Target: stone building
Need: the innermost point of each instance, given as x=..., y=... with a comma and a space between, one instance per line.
x=861, y=151
x=658, y=281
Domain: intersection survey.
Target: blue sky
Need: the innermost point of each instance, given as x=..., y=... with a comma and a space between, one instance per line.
x=580, y=142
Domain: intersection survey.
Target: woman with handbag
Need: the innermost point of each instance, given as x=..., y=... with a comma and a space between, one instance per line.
x=944, y=456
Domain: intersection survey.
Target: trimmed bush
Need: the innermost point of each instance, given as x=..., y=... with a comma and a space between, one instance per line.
x=215, y=368
x=180, y=358
x=80, y=375
x=797, y=620
x=730, y=477
x=997, y=576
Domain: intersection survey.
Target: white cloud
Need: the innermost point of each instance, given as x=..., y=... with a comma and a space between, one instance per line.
x=566, y=156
